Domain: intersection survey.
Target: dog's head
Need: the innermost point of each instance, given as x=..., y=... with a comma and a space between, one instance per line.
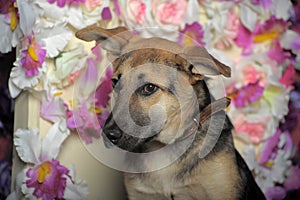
x=158, y=87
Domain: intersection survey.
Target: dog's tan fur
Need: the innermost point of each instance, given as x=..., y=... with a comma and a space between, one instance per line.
x=179, y=73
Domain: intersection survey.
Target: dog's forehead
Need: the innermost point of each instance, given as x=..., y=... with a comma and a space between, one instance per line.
x=148, y=58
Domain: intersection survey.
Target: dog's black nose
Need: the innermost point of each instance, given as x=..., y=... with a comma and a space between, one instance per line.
x=113, y=135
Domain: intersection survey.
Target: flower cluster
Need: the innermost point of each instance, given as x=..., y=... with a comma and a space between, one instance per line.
x=259, y=39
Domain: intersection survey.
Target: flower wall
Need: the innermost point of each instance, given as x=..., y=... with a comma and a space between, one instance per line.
x=258, y=39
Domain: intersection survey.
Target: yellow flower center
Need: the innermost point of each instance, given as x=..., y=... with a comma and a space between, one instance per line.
x=57, y=94
x=188, y=40
x=13, y=17
x=31, y=52
x=43, y=171
x=96, y=110
x=269, y=164
x=271, y=35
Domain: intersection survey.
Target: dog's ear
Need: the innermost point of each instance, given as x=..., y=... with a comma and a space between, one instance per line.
x=111, y=40
x=198, y=61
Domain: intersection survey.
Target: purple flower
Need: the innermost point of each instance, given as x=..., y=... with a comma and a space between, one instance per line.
x=270, y=30
x=102, y=94
x=48, y=180
x=291, y=119
x=293, y=180
x=265, y=3
x=192, y=34
x=247, y=94
x=275, y=193
x=33, y=57
x=106, y=14
x=62, y=3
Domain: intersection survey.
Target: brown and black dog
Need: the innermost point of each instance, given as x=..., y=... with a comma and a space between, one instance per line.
x=164, y=111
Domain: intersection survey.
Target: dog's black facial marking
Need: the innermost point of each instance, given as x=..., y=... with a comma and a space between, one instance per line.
x=141, y=77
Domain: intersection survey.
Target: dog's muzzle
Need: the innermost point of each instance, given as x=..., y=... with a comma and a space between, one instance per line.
x=111, y=132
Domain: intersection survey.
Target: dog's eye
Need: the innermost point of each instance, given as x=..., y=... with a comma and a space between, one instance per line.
x=148, y=89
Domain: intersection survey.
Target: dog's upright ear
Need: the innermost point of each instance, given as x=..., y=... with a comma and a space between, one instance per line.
x=198, y=61
x=111, y=40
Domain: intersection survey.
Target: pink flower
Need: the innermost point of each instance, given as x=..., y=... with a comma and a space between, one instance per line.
x=169, y=12
x=92, y=4
x=254, y=130
x=92, y=113
x=33, y=57
x=85, y=121
x=230, y=32
x=48, y=179
x=138, y=8
x=252, y=75
x=192, y=34
x=277, y=53
x=287, y=78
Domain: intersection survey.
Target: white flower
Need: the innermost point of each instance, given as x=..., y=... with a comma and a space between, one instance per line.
x=9, y=38
x=55, y=36
x=18, y=80
x=66, y=64
x=41, y=152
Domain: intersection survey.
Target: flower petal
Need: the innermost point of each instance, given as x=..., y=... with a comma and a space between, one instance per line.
x=54, y=139
x=55, y=38
x=27, y=16
x=28, y=145
x=77, y=190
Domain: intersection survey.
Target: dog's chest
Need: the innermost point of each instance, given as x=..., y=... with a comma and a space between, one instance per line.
x=215, y=179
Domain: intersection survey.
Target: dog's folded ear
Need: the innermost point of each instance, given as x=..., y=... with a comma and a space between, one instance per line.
x=198, y=61
x=111, y=40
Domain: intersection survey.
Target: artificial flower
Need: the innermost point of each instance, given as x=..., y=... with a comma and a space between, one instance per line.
x=10, y=30
x=169, y=12
x=291, y=40
x=192, y=34
x=62, y=3
x=287, y=78
x=55, y=38
x=33, y=56
x=19, y=81
x=269, y=31
x=67, y=66
x=80, y=18
x=293, y=180
x=149, y=23
x=275, y=193
x=218, y=26
x=89, y=112
x=48, y=179
x=92, y=4
x=138, y=9
x=265, y=3
x=44, y=178
x=251, y=128
x=246, y=95
x=106, y=14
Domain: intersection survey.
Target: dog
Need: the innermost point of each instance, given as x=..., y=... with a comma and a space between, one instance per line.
x=164, y=112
